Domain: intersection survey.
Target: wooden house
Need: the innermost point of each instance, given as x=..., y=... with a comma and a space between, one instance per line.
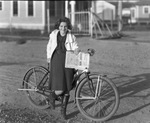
x=140, y=12
x=105, y=10
x=34, y=15
x=22, y=14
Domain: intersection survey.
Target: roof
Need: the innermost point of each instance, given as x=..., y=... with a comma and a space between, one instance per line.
x=124, y=4
x=143, y=2
x=128, y=3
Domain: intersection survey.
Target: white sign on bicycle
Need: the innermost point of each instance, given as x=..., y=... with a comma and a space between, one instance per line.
x=80, y=61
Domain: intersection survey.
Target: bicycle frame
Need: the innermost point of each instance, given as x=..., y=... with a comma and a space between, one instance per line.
x=35, y=89
x=86, y=73
x=98, y=86
x=92, y=90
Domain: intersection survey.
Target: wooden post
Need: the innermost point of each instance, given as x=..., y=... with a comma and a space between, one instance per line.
x=48, y=21
x=10, y=22
x=93, y=10
x=72, y=12
x=48, y=17
x=112, y=19
x=10, y=25
x=119, y=15
x=66, y=8
x=92, y=21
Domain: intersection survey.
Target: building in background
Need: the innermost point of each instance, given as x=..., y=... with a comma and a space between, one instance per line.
x=105, y=10
x=41, y=15
x=140, y=12
x=22, y=14
x=35, y=15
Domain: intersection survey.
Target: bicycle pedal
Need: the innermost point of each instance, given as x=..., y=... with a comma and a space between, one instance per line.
x=49, y=103
x=59, y=99
x=104, y=75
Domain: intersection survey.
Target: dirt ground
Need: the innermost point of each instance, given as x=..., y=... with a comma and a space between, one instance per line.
x=126, y=61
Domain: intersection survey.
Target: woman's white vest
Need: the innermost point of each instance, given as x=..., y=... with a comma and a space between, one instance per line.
x=70, y=43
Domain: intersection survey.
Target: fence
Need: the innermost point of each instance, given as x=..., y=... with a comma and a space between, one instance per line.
x=81, y=22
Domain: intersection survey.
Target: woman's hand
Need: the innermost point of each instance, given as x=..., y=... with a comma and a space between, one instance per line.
x=76, y=51
x=48, y=60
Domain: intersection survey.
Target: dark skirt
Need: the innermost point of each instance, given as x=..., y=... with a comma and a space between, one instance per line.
x=60, y=77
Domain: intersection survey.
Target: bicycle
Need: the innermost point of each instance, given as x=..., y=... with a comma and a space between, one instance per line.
x=96, y=95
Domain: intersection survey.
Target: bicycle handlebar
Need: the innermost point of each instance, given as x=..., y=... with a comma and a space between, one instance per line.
x=91, y=52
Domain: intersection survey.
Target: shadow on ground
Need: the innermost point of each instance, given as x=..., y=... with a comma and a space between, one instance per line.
x=131, y=87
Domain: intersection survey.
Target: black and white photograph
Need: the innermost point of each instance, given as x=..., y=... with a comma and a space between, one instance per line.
x=107, y=79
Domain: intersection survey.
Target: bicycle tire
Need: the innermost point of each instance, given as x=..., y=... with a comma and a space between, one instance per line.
x=31, y=79
x=109, y=94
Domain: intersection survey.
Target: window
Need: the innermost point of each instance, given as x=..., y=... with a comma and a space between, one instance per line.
x=15, y=8
x=0, y=5
x=146, y=9
x=30, y=8
x=133, y=13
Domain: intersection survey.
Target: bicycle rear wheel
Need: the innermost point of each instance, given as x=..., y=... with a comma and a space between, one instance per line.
x=100, y=107
x=35, y=93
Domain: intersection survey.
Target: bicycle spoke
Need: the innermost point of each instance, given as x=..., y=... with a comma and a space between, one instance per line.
x=36, y=93
x=105, y=88
x=104, y=100
x=91, y=87
x=34, y=74
x=31, y=84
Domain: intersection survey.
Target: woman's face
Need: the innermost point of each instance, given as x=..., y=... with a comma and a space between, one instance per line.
x=63, y=28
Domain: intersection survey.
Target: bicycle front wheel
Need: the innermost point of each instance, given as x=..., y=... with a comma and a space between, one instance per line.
x=35, y=85
x=97, y=98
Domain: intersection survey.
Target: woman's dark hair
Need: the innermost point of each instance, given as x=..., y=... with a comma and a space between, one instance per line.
x=64, y=19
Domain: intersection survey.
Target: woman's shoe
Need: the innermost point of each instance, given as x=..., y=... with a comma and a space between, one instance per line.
x=52, y=99
x=64, y=106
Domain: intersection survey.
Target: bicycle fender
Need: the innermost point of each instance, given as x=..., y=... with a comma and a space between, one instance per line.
x=96, y=73
x=31, y=69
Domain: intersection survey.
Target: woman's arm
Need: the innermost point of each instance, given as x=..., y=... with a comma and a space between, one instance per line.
x=76, y=51
x=75, y=45
x=48, y=50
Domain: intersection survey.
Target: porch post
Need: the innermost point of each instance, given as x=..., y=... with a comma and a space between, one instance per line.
x=66, y=8
x=48, y=17
x=72, y=12
x=120, y=15
x=93, y=9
